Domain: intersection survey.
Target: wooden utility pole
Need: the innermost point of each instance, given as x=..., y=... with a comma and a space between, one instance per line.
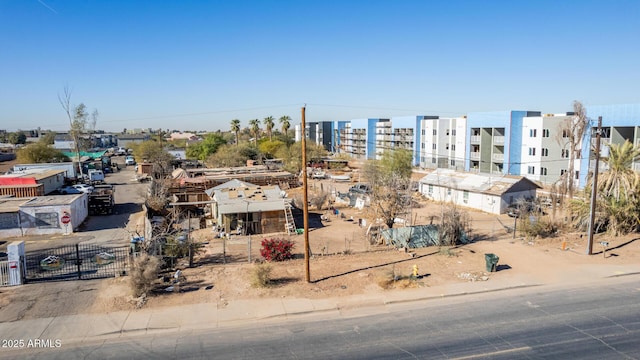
x=594, y=190
x=305, y=199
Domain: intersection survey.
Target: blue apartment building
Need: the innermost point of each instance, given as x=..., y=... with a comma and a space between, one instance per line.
x=494, y=141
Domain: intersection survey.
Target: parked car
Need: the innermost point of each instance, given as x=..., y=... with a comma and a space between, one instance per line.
x=76, y=189
x=129, y=160
x=121, y=151
x=528, y=207
x=360, y=188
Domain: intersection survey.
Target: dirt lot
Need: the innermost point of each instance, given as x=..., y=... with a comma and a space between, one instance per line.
x=343, y=263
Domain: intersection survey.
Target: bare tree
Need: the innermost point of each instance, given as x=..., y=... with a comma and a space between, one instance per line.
x=79, y=120
x=455, y=225
x=571, y=133
x=390, y=179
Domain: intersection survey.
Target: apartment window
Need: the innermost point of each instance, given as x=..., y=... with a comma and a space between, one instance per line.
x=433, y=146
x=565, y=133
x=544, y=152
x=433, y=160
x=453, y=147
x=532, y=151
x=562, y=171
x=453, y=163
x=543, y=171
x=453, y=132
x=430, y=191
x=564, y=153
x=577, y=175
x=533, y=132
x=447, y=146
x=435, y=132
x=465, y=196
x=449, y=192
x=423, y=132
x=531, y=170
x=422, y=159
x=422, y=145
x=447, y=132
x=545, y=132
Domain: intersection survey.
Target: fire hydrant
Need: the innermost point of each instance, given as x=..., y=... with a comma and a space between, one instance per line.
x=415, y=271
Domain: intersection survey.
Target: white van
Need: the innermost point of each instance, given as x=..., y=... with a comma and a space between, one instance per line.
x=129, y=160
x=95, y=176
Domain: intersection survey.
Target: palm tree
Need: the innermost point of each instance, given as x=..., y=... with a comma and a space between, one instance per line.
x=254, y=125
x=618, y=195
x=235, y=127
x=268, y=123
x=284, y=123
x=620, y=181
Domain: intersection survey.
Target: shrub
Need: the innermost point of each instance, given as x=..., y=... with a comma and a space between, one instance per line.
x=144, y=273
x=276, y=249
x=261, y=275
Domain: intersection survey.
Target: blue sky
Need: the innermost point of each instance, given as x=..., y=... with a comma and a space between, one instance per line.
x=195, y=65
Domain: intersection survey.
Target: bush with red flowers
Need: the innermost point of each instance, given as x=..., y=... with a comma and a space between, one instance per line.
x=276, y=249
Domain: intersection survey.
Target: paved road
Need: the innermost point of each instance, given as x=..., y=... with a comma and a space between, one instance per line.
x=588, y=322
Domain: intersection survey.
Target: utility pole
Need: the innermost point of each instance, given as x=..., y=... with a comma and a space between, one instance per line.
x=305, y=199
x=594, y=191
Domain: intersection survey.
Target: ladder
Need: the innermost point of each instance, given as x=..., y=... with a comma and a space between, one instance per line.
x=290, y=224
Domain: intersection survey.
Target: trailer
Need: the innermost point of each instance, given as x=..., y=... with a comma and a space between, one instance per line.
x=101, y=200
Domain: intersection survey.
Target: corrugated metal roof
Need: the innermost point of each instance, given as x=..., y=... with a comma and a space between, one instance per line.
x=478, y=183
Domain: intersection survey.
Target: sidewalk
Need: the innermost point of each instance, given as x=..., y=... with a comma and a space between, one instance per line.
x=91, y=327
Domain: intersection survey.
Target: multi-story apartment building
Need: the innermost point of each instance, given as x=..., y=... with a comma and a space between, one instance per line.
x=619, y=123
x=443, y=143
x=523, y=143
x=357, y=138
x=319, y=132
x=545, y=148
x=495, y=141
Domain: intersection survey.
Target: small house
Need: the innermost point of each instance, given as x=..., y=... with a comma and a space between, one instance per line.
x=43, y=215
x=49, y=179
x=244, y=208
x=485, y=192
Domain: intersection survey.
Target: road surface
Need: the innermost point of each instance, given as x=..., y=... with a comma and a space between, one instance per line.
x=599, y=321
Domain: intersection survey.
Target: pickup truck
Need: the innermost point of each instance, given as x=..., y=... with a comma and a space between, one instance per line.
x=101, y=200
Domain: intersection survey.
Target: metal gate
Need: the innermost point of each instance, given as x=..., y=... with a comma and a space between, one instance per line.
x=75, y=262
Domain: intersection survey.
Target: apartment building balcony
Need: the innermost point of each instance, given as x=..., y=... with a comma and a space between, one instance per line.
x=497, y=140
x=497, y=157
x=475, y=155
x=475, y=139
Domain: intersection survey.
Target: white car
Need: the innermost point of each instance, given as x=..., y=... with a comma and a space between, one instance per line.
x=76, y=189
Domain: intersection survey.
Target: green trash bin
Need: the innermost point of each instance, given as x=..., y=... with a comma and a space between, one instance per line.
x=492, y=262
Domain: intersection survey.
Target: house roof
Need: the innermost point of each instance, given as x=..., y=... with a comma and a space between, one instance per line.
x=478, y=183
x=231, y=184
x=247, y=199
x=37, y=174
x=52, y=200
x=10, y=205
